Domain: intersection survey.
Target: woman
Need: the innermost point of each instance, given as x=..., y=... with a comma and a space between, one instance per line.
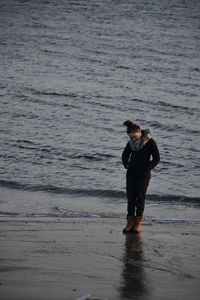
x=136, y=158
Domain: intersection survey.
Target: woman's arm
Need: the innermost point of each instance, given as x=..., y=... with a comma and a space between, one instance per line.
x=155, y=154
x=126, y=155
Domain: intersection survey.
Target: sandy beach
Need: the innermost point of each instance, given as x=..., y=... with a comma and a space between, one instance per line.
x=85, y=258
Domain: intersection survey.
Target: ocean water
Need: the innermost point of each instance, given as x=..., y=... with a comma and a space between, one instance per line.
x=71, y=73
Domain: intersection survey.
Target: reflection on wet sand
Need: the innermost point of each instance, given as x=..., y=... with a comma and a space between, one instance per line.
x=134, y=281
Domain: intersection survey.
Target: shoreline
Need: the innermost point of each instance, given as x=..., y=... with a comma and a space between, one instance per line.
x=67, y=258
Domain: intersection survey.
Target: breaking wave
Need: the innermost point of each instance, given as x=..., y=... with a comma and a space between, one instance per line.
x=99, y=193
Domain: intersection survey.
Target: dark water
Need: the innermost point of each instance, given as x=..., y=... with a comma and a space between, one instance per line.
x=73, y=71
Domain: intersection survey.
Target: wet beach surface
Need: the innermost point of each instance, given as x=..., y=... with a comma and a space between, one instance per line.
x=67, y=258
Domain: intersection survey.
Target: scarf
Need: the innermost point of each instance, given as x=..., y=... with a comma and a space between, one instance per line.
x=139, y=144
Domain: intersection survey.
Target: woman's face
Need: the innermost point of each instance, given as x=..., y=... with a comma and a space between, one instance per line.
x=135, y=135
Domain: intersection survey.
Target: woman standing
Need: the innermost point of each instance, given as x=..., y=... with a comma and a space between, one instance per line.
x=136, y=158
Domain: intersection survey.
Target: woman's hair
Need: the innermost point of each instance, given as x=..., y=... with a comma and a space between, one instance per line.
x=131, y=127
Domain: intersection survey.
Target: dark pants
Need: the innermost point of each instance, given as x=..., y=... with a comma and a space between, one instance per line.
x=136, y=188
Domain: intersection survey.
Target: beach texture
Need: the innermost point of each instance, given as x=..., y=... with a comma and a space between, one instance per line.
x=85, y=258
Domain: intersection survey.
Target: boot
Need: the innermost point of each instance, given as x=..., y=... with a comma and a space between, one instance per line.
x=130, y=224
x=138, y=221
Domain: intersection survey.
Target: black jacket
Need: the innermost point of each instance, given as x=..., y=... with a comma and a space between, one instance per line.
x=139, y=162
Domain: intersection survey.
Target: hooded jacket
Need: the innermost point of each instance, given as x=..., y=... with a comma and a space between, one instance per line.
x=136, y=156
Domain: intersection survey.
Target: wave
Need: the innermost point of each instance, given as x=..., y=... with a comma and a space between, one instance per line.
x=95, y=156
x=170, y=127
x=167, y=106
x=48, y=96
x=65, y=213
x=60, y=153
x=62, y=190
x=53, y=93
x=24, y=141
x=99, y=193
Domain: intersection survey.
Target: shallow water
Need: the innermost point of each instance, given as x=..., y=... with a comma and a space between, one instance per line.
x=73, y=71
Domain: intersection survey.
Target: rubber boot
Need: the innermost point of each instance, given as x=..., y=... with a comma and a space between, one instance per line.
x=130, y=224
x=138, y=221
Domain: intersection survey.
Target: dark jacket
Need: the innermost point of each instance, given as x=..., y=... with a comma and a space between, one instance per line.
x=139, y=162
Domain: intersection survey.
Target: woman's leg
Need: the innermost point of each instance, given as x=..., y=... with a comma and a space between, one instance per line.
x=130, y=190
x=131, y=194
x=142, y=185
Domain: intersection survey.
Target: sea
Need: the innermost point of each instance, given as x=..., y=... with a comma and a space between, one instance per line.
x=72, y=71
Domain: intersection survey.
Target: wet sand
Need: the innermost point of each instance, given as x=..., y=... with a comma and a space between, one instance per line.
x=68, y=258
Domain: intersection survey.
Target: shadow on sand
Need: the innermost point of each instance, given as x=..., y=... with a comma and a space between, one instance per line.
x=134, y=282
